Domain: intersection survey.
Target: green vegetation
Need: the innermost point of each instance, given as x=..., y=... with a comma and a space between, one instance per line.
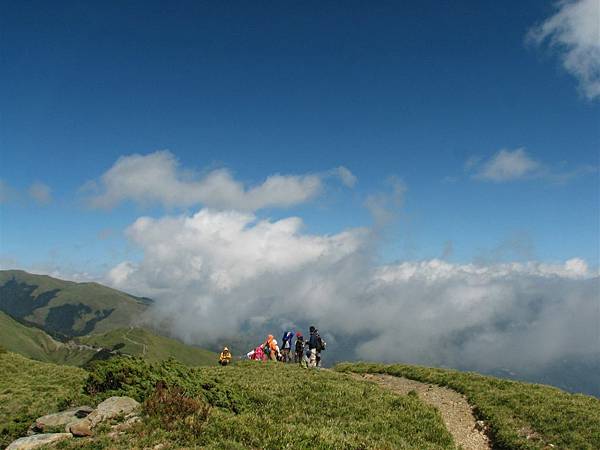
x=137, y=378
x=141, y=342
x=64, y=307
x=520, y=415
x=260, y=405
x=29, y=389
x=273, y=405
x=36, y=344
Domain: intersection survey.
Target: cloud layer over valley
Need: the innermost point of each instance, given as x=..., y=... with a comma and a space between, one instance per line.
x=217, y=272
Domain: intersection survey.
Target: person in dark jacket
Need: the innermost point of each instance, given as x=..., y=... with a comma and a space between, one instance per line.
x=313, y=342
x=320, y=347
x=299, y=349
x=286, y=346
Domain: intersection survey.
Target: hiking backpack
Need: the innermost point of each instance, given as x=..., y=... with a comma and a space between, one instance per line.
x=321, y=344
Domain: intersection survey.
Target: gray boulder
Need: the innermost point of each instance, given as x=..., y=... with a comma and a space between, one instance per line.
x=80, y=429
x=37, y=440
x=112, y=407
x=60, y=419
x=109, y=409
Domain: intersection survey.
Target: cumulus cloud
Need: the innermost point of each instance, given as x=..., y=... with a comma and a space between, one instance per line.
x=215, y=273
x=506, y=165
x=385, y=205
x=40, y=193
x=511, y=165
x=574, y=31
x=158, y=178
x=37, y=192
x=346, y=177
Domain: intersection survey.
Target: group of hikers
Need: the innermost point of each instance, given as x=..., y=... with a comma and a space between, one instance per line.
x=306, y=352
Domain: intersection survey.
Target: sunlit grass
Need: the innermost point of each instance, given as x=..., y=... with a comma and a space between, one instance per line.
x=29, y=389
x=520, y=415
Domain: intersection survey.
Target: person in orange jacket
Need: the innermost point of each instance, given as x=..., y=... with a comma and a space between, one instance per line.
x=271, y=348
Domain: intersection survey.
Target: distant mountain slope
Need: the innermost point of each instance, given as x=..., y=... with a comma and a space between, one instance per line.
x=66, y=308
x=36, y=344
x=142, y=342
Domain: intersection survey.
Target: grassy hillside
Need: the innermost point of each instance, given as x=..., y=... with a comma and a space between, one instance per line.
x=36, y=344
x=64, y=307
x=251, y=405
x=29, y=389
x=141, y=342
x=271, y=405
x=261, y=405
x=520, y=415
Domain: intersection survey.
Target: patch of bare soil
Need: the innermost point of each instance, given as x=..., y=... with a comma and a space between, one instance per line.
x=456, y=412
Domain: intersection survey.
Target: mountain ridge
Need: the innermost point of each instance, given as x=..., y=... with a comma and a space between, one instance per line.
x=66, y=308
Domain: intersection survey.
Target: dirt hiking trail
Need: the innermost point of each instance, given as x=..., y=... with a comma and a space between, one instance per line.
x=456, y=412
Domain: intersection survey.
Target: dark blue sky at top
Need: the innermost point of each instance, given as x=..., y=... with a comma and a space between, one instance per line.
x=411, y=89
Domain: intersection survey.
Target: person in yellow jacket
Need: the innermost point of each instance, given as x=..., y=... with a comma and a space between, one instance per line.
x=225, y=357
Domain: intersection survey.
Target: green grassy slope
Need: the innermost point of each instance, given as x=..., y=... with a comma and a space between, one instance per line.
x=65, y=307
x=513, y=410
x=262, y=405
x=141, y=342
x=29, y=389
x=36, y=344
x=272, y=405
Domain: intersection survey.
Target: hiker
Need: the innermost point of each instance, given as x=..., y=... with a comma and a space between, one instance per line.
x=312, y=347
x=299, y=349
x=275, y=352
x=225, y=357
x=256, y=354
x=286, y=346
x=271, y=348
x=321, y=344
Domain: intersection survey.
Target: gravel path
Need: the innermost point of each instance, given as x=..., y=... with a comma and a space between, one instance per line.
x=454, y=408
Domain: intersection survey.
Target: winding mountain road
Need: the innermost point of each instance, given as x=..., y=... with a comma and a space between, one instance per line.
x=127, y=338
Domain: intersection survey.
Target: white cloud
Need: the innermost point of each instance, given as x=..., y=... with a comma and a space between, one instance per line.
x=215, y=273
x=226, y=248
x=118, y=275
x=347, y=177
x=507, y=165
x=574, y=31
x=511, y=165
x=40, y=193
x=384, y=206
x=157, y=178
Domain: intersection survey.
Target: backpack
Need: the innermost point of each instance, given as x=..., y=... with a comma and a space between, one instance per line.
x=267, y=349
x=321, y=344
x=299, y=345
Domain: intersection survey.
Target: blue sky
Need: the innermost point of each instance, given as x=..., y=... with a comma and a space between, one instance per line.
x=428, y=92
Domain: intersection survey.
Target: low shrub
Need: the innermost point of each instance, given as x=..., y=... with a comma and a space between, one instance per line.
x=177, y=411
x=137, y=378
